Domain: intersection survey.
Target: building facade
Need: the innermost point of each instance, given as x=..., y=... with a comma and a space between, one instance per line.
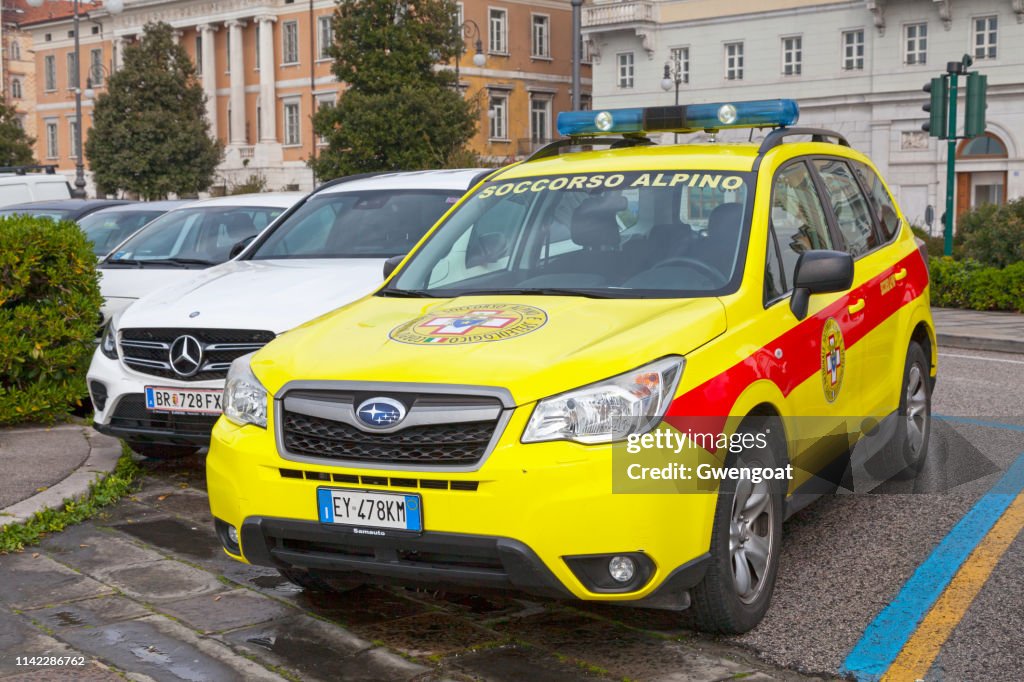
x=265, y=68
x=17, y=66
x=854, y=66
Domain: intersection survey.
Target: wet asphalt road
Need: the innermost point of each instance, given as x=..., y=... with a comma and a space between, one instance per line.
x=146, y=590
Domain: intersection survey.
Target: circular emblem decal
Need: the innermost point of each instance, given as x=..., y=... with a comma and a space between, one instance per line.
x=380, y=413
x=465, y=324
x=833, y=359
x=186, y=356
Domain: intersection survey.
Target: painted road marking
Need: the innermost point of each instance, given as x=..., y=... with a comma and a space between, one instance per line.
x=921, y=651
x=889, y=632
x=978, y=357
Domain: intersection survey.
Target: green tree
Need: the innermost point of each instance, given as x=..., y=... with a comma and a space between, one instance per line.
x=399, y=111
x=150, y=134
x=15, y=145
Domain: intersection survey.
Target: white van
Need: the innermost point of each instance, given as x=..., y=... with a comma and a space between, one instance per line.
x=18, y=185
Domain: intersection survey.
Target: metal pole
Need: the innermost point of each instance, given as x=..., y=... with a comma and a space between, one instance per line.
x=576, y=56
x=676, y=77
x=458, y=51
x=950, y=164
x=313, y=35
x=79, y=161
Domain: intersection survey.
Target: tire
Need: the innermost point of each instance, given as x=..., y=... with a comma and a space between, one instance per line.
x=908, y=449
x=314, y=582
x=157, y=451
x=725, y=601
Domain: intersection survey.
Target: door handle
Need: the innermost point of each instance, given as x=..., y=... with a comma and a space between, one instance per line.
x=857, y=307
x=901, y=275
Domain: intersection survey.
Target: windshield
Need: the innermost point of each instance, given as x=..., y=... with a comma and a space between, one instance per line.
x=51, y=213
x=372, y=224
x=107, y=229
x=201, y=236
x=622, y=235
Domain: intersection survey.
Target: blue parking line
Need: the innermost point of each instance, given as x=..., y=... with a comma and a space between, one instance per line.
x=885, y=637
x=980, y=422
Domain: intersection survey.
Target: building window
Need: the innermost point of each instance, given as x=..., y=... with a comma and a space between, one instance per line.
x=324, y=102
x=625, y=60
x=498, y=114
x=541, y=46
x=915, y=41
x=16, y=88
x=257, y=27
x=498, y=32
x=460, y=16
x=50, y=72
x=72, y=71
x=73, y=137
x=680, y=58
x=792, y=56
x=199, y=54
x=292, y=135
x=96, y=68
x=51, y=140
x=734, y=61
x=290, y=37
x=853, y=50
x=540, y=118
x=325, y=36
x=227, y=51
x=15, y=51
x=985, y=37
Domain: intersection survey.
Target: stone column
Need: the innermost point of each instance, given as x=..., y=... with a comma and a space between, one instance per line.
x=209, y=61
x=268, y=88
x=237, y=64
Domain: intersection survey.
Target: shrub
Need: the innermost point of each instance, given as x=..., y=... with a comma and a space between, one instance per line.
x=970, y=284
x=935, y=245
x=49, y=307
x=993, y=234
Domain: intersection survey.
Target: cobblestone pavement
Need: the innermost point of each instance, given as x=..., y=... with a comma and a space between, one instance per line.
x=146, y=591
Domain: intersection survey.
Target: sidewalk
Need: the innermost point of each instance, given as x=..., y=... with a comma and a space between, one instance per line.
x=978, y=330
x=45, y=465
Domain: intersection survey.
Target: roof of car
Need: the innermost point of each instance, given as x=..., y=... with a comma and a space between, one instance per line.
x=455, y=180
x=147, y=206
x=273, y=199
x=68, y=204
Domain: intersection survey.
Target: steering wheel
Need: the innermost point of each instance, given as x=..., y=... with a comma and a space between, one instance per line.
x=708, y=271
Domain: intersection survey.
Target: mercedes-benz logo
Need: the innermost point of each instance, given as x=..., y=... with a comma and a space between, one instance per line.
x=186, y=356
x=380, y=413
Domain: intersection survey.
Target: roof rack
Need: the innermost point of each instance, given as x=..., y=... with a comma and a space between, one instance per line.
x=555, y=148
x=778, y=136
x=49, y=169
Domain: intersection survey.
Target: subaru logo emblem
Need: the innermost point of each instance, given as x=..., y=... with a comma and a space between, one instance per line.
x=380, y=413
x=186, y=356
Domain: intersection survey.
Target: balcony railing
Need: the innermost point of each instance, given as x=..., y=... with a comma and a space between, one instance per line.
x=618, y=13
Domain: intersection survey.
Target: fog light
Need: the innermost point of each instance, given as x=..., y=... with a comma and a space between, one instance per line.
x=233, y=535
x=621, y=568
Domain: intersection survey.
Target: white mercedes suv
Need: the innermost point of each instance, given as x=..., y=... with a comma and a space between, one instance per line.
x=157, y=377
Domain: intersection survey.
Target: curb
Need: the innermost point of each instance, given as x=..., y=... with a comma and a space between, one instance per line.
x=104, y=453
x=979, y=343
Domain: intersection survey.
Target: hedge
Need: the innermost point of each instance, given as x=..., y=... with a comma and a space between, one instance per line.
x=972, y=285
x=49, y=307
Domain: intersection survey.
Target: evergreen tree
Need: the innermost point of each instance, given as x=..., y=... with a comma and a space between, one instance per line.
x=399, y=111
x=15, y=145
x=150, y=134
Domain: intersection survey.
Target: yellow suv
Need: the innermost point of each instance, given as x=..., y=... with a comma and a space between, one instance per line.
x=608, y=373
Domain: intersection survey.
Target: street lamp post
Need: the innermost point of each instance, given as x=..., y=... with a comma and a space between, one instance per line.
x=469, y=29
x=673, y=76
x=114, y=7
x=576, y=56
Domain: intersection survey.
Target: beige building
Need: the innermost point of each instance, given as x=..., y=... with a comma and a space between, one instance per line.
x=265, y=69
x=17, y=66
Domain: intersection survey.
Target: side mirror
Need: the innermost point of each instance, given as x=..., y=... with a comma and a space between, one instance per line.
x=391, y=263
x=819, y=272
x=240, y=247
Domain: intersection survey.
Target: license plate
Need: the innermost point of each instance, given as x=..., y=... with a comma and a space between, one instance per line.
x=184, y=401
x=392, y=511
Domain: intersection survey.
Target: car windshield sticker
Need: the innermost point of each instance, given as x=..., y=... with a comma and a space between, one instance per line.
x=599, y=181
x=833, y=359
x=466, y=324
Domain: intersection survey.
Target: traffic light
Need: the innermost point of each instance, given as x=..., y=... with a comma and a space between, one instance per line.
x=977, y=90
x=936, y=107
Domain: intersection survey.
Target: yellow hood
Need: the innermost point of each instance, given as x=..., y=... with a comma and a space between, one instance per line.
x=538, y=345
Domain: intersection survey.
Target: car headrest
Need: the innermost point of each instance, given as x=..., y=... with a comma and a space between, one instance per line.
x=725, y=221
x=238, y=226
x=594, y=224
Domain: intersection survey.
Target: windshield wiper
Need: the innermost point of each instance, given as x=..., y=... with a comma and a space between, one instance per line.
x=181, y=261
x=124, y=261
x=406, y=293
x=538, y=291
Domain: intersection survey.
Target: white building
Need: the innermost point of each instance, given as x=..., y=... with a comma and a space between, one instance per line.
x=854, y=66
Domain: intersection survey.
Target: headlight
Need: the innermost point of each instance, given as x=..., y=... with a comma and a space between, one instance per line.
x=609, y=410
x=108, y=344
x=245, y=399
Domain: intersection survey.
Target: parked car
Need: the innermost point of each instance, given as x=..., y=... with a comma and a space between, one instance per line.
x=178, y=244
x=19, y=184
x=157, y=377
x=61, y=209
x=108, y=227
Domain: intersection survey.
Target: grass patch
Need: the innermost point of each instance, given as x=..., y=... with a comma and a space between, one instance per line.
x=102, y=493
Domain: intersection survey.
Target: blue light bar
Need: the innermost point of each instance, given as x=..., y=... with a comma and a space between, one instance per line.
x=688, y=118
